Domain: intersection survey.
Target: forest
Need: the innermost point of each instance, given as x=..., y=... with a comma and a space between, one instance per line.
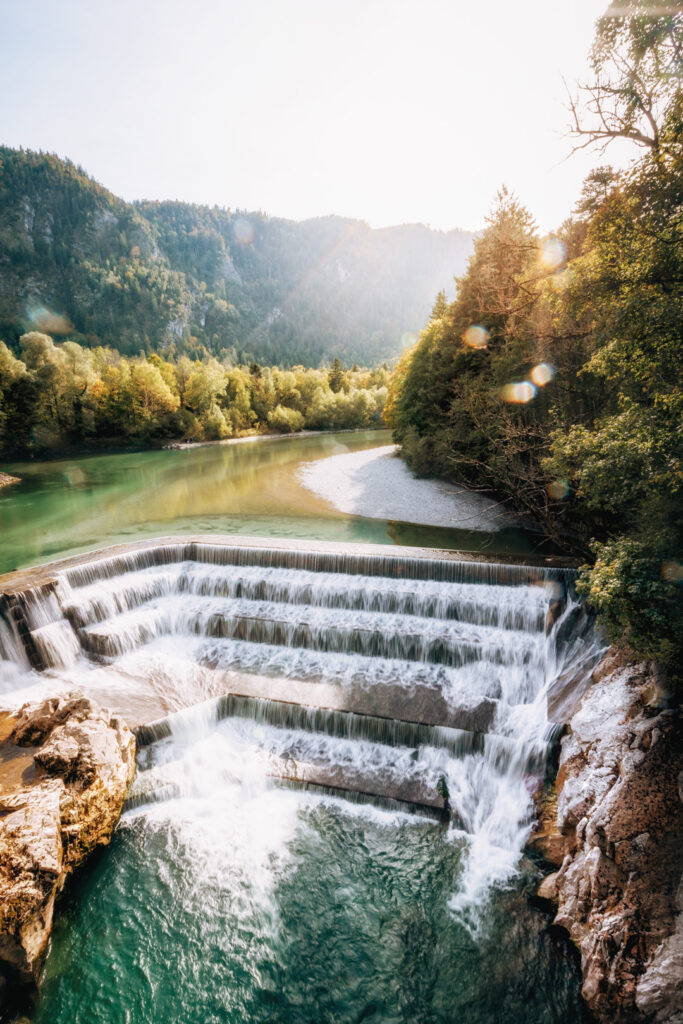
x=80, y=264
x=60, y=396
x=553, y=380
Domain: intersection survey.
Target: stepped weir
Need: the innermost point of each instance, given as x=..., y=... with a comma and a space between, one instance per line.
x=404, y=677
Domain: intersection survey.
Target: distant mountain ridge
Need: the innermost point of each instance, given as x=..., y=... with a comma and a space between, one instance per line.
x=77, y=261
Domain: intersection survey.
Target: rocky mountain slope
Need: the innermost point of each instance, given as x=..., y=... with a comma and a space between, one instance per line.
x=77, y=261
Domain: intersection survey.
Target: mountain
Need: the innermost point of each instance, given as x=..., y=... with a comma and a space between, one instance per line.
x=77, y=261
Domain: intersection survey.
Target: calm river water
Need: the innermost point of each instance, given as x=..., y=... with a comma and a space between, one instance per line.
x=70, y=505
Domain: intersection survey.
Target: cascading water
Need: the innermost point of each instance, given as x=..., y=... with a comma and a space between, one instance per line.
x=13, y=663
x=407, y=683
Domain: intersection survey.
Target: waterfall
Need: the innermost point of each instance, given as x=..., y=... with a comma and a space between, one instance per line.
x=13, y=662
x=413, y=682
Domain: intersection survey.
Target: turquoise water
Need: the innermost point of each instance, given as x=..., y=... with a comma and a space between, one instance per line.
x=299, y=911
x=66, y=506
x=241, y=901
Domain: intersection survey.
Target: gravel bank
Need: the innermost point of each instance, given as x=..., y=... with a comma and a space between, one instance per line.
x=375, y=483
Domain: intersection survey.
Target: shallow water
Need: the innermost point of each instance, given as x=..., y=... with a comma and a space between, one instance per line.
x=72, y=505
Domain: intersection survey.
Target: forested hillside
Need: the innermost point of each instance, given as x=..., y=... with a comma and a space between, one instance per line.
x=554, y=378
x=80, y=263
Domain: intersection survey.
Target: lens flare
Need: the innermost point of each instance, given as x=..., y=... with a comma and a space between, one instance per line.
x=519, y=393
x=45, y=320
x=541, y=374
x=558, y=490
x=243, y=231
x=672, y=571
x=561, y=280
x=476, y=336
x=552, y=253
x=408, y=339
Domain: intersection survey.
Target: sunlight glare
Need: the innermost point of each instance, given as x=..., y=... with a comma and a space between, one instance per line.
x=45, y=320
x=518, y=393
x=541, y=374
x=243, y=231
x=552, y=253
x=558, y=490
x=476, y=336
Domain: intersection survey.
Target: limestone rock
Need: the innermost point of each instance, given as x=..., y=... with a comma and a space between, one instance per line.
x=65, y=768
x=659, y=993
x=620, y=812
x=547, y=843
x=547, y=890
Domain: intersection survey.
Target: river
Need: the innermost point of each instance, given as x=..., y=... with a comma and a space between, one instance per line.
x=226, y=895
x=70, y=505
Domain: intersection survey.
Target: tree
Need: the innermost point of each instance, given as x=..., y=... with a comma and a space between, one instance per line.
x=62, y=394
x=595, y=191
x=336, y=375
x=636, y=90
x=203, y=387
x=440, y=305
x=559, y=387
x=152, y=397
x=444, y=401
x=284, y=420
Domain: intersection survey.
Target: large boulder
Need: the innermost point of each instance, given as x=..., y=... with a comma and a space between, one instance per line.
x=65, y=768
x=619, y=820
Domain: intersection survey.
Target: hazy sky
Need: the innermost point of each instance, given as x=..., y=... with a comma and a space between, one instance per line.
x=389, y=110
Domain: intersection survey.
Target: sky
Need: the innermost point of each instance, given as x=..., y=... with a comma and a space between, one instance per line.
x=392, y=111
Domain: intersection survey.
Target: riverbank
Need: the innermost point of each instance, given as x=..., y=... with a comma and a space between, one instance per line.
x=379, y=485
x=6, y=480
x=110, y=446
x=255, y=436
x=65, y=768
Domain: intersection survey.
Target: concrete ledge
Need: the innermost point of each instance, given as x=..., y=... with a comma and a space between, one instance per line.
x=46, y=574
x=322, y=707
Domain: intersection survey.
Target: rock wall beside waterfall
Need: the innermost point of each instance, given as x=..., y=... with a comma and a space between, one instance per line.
x=617, y=843
x=65, y=767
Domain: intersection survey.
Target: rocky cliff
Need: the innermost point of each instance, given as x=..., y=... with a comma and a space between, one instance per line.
x=65, y=767
x=614, y=831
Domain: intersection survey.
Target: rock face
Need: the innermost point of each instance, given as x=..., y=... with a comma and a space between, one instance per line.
x=618, y=844
x=65, y=767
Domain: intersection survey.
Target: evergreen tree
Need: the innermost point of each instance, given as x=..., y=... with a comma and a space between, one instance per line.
x=336, y=376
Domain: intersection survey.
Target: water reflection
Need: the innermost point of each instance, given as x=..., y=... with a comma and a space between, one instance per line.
x=73, y=505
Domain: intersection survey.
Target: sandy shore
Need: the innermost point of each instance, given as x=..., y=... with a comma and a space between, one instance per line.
x=375, y=483
x=6, y=480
